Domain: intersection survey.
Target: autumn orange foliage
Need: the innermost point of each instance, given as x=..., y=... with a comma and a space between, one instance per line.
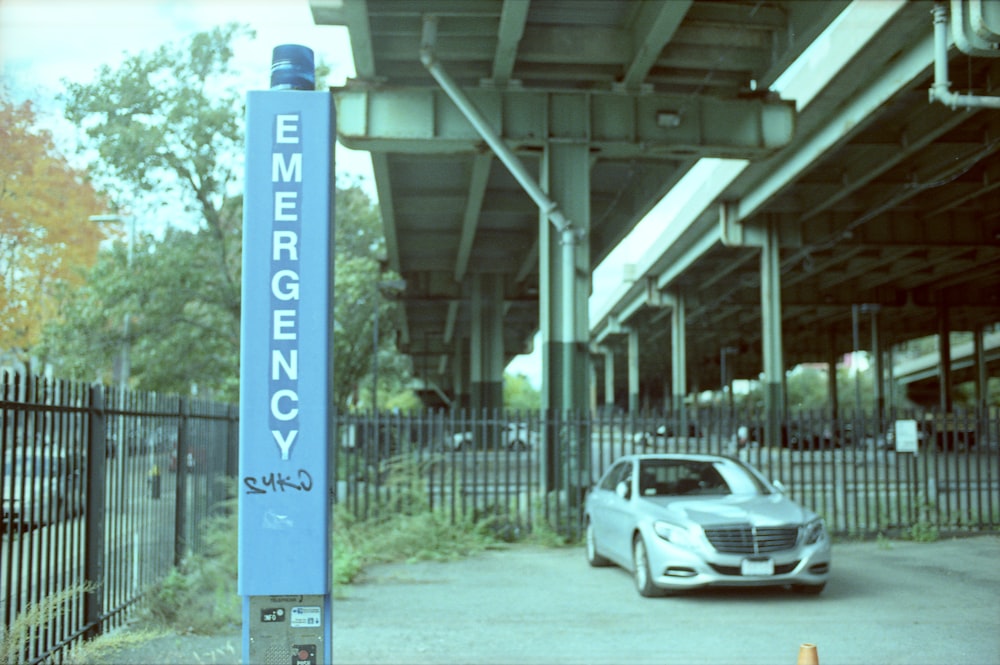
x=46, y=242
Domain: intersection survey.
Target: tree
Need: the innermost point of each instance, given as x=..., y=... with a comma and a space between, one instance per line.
x=519, y=394
x=808, y=389
x=165, y=127
x=46, y=244
x=359, y=269
x=182, y=333
x=169, y=123
x=855, y=388
x=183, y=330
x=359, y=226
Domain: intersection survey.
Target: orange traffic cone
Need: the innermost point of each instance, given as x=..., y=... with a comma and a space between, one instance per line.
x=808, y=655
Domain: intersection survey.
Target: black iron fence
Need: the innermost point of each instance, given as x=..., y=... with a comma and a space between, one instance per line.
x=531, y=469
x=104, y=491
x=108, y=489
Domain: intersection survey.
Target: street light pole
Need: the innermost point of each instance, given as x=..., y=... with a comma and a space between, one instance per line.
x=99, y=219
x=124, y=369
x=375, y=358
x=726, y=383
x=387, y=287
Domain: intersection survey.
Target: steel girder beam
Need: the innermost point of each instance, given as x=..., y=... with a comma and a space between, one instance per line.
x=423, y=120
x=653, y=29
x=513, y=17
x=836, y=130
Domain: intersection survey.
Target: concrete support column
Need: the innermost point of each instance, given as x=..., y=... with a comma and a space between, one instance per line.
x=609, y=380
x=564, y=281
x=770, y=305
x=678, y=352
x=633, y=371
x=460, y=375
x=565, y=286
x=944, y=350
x=486, y=350
x=890, y=381
x=878, y=370
x=982, y=377
x=831, y=376
x=678, y=361
x=592, y=386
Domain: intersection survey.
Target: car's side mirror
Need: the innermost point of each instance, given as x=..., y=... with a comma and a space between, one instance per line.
x=623, y=489
x=780, y=486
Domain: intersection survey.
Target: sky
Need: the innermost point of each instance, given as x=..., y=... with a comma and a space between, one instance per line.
x=43, y=42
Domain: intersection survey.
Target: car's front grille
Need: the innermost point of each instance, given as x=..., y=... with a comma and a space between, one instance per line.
x=747, y=539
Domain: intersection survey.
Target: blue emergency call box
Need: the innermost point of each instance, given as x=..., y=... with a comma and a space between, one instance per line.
x=286, y=370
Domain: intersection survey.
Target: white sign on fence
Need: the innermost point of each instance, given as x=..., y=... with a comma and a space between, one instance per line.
x=906, y=436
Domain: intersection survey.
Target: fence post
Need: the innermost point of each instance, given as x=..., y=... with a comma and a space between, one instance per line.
x=93, y=603
x=232, y=441
x=180, y=506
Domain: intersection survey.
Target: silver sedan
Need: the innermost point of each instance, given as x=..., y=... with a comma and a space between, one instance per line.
x=679, y=522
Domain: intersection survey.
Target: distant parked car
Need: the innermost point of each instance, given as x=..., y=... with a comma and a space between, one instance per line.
x=360, y=437
x=680, y=522
x=658, y=439
x=39, y=487
x=828, y=436
x=754, y=435
x=513, y=436
x=798, y=436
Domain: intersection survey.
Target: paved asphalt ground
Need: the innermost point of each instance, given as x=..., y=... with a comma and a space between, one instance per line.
x=905, y=603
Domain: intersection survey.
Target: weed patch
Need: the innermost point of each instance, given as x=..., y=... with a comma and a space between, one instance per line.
x=16, y=640
x=200, y=595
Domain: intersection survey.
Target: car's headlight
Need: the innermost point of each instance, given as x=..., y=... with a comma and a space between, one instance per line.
x=813, y=532
x=673, y=533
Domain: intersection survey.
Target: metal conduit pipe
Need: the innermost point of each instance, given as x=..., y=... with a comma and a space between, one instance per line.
x=569, y=236
x=472, y=114
x=940, y=90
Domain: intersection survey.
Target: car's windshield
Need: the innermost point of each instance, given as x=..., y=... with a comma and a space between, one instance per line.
x=691, y=477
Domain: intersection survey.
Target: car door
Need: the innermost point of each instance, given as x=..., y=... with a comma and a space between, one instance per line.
x=601, y=503
x=618, y=519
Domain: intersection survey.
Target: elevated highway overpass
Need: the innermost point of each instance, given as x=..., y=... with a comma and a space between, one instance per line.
x=829, y=203
x=922, y=379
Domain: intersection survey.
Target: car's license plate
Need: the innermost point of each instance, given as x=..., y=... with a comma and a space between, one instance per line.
x=757, y=567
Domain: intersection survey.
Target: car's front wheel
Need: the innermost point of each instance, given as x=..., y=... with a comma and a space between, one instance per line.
x=593, y=558
x=640, y=564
